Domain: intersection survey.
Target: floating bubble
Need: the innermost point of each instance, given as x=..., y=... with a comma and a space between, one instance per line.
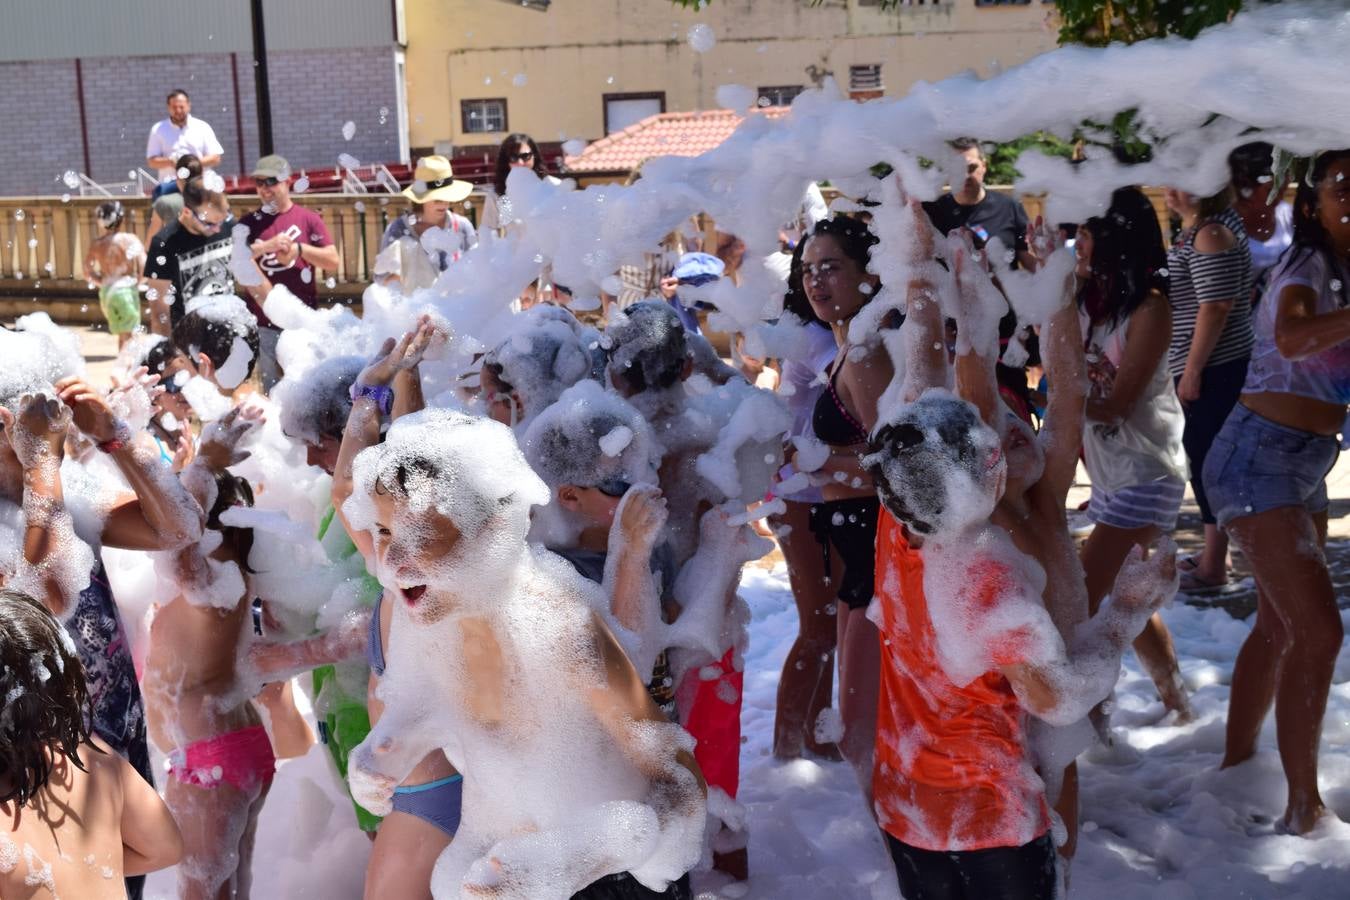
x=71, y=179
x=330, y=283
x=184, y=172
x=19, y=214
x=348, y=130
x=520, y=79
x=702, y=38
x=348, y=161
x=301, y=185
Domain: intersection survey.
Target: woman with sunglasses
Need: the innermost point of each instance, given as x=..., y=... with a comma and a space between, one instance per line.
x=518, y=151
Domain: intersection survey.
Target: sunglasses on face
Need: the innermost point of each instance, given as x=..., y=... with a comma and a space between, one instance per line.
x=613, y=487
x=206, y=222
x=268, y=182
x=522, y=157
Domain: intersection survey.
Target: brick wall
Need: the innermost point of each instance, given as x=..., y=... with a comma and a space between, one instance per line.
x=38, y=143
x=313, y=94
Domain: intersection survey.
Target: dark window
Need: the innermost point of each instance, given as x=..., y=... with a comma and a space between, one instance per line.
x=778, y=95
x=864, y=78
x=1002, y=2
x=623, y=110
x=483, y=116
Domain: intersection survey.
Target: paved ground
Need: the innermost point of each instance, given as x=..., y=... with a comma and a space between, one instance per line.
x=100, y=349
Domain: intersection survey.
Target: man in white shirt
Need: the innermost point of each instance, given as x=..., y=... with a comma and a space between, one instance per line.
x=180, y=133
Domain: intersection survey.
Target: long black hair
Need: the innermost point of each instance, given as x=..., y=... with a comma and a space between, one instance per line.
x=1309, y=235
x=794, y=301
x=47, y=702
x=1128, y=259
x=504, y=152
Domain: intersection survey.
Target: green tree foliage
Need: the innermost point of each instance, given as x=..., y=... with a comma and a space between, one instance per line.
x=1100, y=22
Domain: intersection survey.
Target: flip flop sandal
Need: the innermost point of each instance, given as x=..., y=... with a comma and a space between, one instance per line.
x=1197, y=587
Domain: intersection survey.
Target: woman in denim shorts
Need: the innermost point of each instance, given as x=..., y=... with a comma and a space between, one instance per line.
x=1266, y=479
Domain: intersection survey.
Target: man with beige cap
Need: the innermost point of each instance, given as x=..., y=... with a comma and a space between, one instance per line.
x=290, y=244
x=418, y=246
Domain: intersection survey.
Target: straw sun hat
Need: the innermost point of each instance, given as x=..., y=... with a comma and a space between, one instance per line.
x=435, y=180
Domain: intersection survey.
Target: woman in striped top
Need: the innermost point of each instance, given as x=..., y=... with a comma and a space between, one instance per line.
x=1209, y=285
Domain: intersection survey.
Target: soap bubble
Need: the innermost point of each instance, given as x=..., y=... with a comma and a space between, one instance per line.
x=348, y=130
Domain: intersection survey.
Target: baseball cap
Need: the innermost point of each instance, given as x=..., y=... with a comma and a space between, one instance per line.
x=272, y=166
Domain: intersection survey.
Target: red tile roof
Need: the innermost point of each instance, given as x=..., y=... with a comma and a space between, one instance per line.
x=664, y=134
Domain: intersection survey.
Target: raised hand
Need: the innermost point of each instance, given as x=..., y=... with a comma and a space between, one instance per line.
x=220, y=439
x=90, y=410
x=401, y=355
x=642, y=514
x=1144, y=583
x=38, y=432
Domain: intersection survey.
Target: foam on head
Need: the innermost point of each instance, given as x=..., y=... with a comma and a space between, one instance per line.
x=588, y=437
x=223, y=328
x=649, y=348
x=316, y=403
x=544, y=355
x=466, y=468
x=937, y=466
x=33, y=358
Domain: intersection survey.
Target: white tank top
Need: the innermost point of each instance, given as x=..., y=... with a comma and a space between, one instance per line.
x=1146, y=446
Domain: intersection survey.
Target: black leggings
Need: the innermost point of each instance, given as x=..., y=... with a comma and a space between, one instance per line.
x=1220, y=387
x=999, y=873
x=851, y=527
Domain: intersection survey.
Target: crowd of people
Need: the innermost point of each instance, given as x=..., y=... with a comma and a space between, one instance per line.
x=505, y=571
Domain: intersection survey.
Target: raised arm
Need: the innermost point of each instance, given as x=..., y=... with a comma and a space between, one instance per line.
x=55, y=565
x=363, y=424
x=160, y=514
x=1065, y=371
x=979, y=306
x=1062, y=691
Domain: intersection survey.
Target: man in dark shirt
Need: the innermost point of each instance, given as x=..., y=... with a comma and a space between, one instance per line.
x=988, y=215
x=290, y=243
x=189, y=257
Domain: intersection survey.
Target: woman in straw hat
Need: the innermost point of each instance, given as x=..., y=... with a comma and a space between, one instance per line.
x=418, y=246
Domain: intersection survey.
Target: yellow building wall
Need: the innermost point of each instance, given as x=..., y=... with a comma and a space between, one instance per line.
x=554, y=67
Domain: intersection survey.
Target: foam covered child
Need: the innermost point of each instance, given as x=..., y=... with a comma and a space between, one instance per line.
x=497, y=656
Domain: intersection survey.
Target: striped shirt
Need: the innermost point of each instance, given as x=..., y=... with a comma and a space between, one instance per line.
x=1195, y=278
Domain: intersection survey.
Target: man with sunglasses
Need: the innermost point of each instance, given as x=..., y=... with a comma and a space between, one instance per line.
x=290, y=243
x=190, y=256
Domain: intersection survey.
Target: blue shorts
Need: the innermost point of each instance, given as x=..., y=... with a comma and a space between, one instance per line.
x=437, y=802
x=1257, y=465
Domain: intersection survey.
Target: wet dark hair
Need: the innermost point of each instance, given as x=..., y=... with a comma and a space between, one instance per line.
x=663, y=347
x=1309, y=235
x=508, y=146
x=1128, y=258
x=1250, y=163
x=794, y=301
x=177, y=92
x=189, y=161
x=196, y=195
x=231, y=490
x=47, y=704
x=160, y=354
x=921, y=500
x=853, y=235
x=198, y=333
